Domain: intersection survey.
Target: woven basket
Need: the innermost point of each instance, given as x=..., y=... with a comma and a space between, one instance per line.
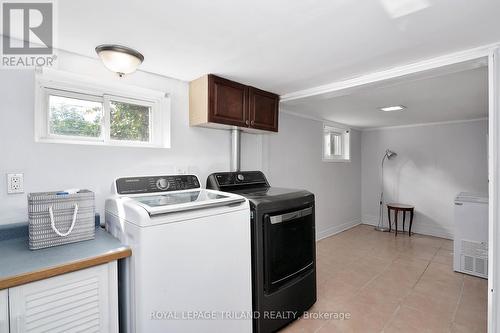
x=60, y=219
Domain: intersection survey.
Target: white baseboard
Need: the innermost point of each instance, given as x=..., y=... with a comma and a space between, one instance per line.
x=320, y=234
x=419, y=227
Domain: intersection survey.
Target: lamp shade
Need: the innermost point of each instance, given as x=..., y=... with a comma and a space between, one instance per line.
x=390, y=154
x=119, y=59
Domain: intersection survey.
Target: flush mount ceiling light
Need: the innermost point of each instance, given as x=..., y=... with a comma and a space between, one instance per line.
x=393, y=108
x=119, y=59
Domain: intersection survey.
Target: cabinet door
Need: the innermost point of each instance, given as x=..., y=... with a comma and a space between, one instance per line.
x=4, y=311
x=264, y=108
x=81, y=301
x=227, y=102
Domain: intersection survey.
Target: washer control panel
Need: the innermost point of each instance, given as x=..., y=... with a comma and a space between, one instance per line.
x=152, y=184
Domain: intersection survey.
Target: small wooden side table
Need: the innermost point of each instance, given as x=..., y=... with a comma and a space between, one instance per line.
x=398, y=207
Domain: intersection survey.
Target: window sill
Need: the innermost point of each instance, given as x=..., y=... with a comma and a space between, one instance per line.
x=337, y=160
x=100, y=143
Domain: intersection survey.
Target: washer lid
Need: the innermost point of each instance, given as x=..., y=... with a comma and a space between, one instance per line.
x=163, y=203
x=472, y=197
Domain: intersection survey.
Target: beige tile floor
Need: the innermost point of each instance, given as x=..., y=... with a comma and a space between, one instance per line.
x=393, y=284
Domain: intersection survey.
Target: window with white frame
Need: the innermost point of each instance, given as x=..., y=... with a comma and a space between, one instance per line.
x=74, y=111
x=335, y=144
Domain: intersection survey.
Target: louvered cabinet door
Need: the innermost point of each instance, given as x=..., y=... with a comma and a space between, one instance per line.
x=81, y=301
x=4, y=311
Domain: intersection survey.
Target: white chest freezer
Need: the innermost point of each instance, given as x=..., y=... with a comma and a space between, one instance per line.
x=470, y=253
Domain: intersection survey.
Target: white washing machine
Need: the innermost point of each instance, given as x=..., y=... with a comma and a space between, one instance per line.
x=471, y=234
x=190, y=269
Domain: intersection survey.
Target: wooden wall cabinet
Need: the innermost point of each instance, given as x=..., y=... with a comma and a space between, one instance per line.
x=220, y=103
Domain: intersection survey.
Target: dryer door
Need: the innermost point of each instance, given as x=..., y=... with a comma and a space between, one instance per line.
x=289, y=246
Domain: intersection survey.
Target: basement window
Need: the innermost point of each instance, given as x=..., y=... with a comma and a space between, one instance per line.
x=336, y=144
x=69, y=112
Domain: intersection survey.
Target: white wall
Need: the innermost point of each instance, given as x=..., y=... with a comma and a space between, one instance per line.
x=433, y=165
x=200, y=151
x=293, y=158
x=49, y=166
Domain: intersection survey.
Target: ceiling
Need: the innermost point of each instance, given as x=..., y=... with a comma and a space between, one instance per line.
x=434, y=97
x=280, y=45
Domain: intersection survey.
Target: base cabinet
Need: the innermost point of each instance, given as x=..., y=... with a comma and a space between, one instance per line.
x=4, y=311
x=80, y=301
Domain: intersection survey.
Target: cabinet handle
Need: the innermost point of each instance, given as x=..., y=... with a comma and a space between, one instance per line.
x=252, y=123
x=247, y=122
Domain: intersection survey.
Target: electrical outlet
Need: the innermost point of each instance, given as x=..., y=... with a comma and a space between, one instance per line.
x=15, y=183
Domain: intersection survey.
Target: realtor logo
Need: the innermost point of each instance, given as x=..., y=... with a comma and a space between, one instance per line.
x=27, y=28
x=28, y=34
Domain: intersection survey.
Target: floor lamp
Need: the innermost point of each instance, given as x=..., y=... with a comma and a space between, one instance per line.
x=389, y=154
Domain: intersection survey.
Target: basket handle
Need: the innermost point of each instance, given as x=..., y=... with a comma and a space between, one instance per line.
x=53, y=225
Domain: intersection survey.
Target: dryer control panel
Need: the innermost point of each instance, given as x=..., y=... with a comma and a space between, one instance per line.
x=154, y=184
x=233, y=180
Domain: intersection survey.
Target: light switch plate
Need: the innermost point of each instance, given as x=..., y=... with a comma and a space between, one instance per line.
x=15, y=183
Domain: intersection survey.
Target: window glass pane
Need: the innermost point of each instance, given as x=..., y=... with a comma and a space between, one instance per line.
x=129, y=121
x=328, y=149
x=74, y=117
x=336, y=144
